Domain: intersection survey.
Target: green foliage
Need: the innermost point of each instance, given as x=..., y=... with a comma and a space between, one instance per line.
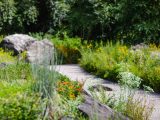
x=137, y=110
x=16, y=101
x=19, y=71
x=7, y=12
x=69, y=48
x=16, y=15
x=31, y=92
x=1, y=37
x=6, y=57
x=125, y=101
x=12, y=88
x=129, y=80
x=132, y=21
x=152, y=77
x=104, y=61
x=58, y=12
x=24, y=107
x=67, y=107
x=110, y=60
x=44, y=80
x=69, y=89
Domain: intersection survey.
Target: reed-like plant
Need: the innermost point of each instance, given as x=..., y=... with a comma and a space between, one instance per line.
x=45, y=79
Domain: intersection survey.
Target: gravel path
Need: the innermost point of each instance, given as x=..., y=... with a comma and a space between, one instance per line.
x=75, y=72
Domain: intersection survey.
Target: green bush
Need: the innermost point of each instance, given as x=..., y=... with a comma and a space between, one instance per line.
x=20, y=107
x=6, y=57
x=68, y=48
x=17, y=15
x=104, y=61
x=111, y=59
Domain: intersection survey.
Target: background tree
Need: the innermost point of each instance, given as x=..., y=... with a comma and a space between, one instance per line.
x=131, y=21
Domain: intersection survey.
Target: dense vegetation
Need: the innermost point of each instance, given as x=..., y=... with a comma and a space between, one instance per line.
x=35, y=92
x=108, y=61
x=97, y=34
x=30, y=91
x=129, y=20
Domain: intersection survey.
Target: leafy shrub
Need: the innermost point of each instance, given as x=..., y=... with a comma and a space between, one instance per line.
x=24, y=107
x=6, y=56
x=14, y=87
x=129, y=80
x=111, y=59
x=104, y=61
x=68, y=48
x=16, y=15
x=152, y=78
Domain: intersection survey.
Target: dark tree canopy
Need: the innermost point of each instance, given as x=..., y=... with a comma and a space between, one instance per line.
x=128, y=20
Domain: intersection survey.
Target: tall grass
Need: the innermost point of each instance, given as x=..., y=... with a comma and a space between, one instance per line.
x=124, y=101
x=45, y=81
x=109, y=60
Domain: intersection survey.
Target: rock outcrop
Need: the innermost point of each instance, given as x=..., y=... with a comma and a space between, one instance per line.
x=38, y=52
x=17, y=43
x=97, y=111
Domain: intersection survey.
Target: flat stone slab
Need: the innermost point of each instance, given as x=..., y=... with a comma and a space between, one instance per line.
x=95, y=110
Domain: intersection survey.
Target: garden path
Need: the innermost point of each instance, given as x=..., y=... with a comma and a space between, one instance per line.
x=75, y=72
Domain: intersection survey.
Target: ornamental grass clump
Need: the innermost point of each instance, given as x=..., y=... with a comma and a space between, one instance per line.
x=124, y=101
x=138, y=109
x=45, y=79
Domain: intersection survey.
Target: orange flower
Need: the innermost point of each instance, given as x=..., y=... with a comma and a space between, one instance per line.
x=79, y=89
x=65, y=83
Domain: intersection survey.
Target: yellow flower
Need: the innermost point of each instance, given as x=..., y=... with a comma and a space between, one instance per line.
x=89, y=46
x=72, y=96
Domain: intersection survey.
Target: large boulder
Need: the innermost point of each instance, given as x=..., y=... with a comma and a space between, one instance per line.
x=95, y=110
x=17, y=43
x=40, y=52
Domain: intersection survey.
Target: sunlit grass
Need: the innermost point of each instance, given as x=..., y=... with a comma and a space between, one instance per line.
x=6, y=56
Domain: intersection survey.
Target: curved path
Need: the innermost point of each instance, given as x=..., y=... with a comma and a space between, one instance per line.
x=75, y=72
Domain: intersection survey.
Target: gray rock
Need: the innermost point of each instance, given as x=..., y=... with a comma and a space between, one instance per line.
x=139, y=46
x=17, y=42
x=4, y=64
x=36, y=51
x=97, y=111
x=40, y=52
x=99, y=87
